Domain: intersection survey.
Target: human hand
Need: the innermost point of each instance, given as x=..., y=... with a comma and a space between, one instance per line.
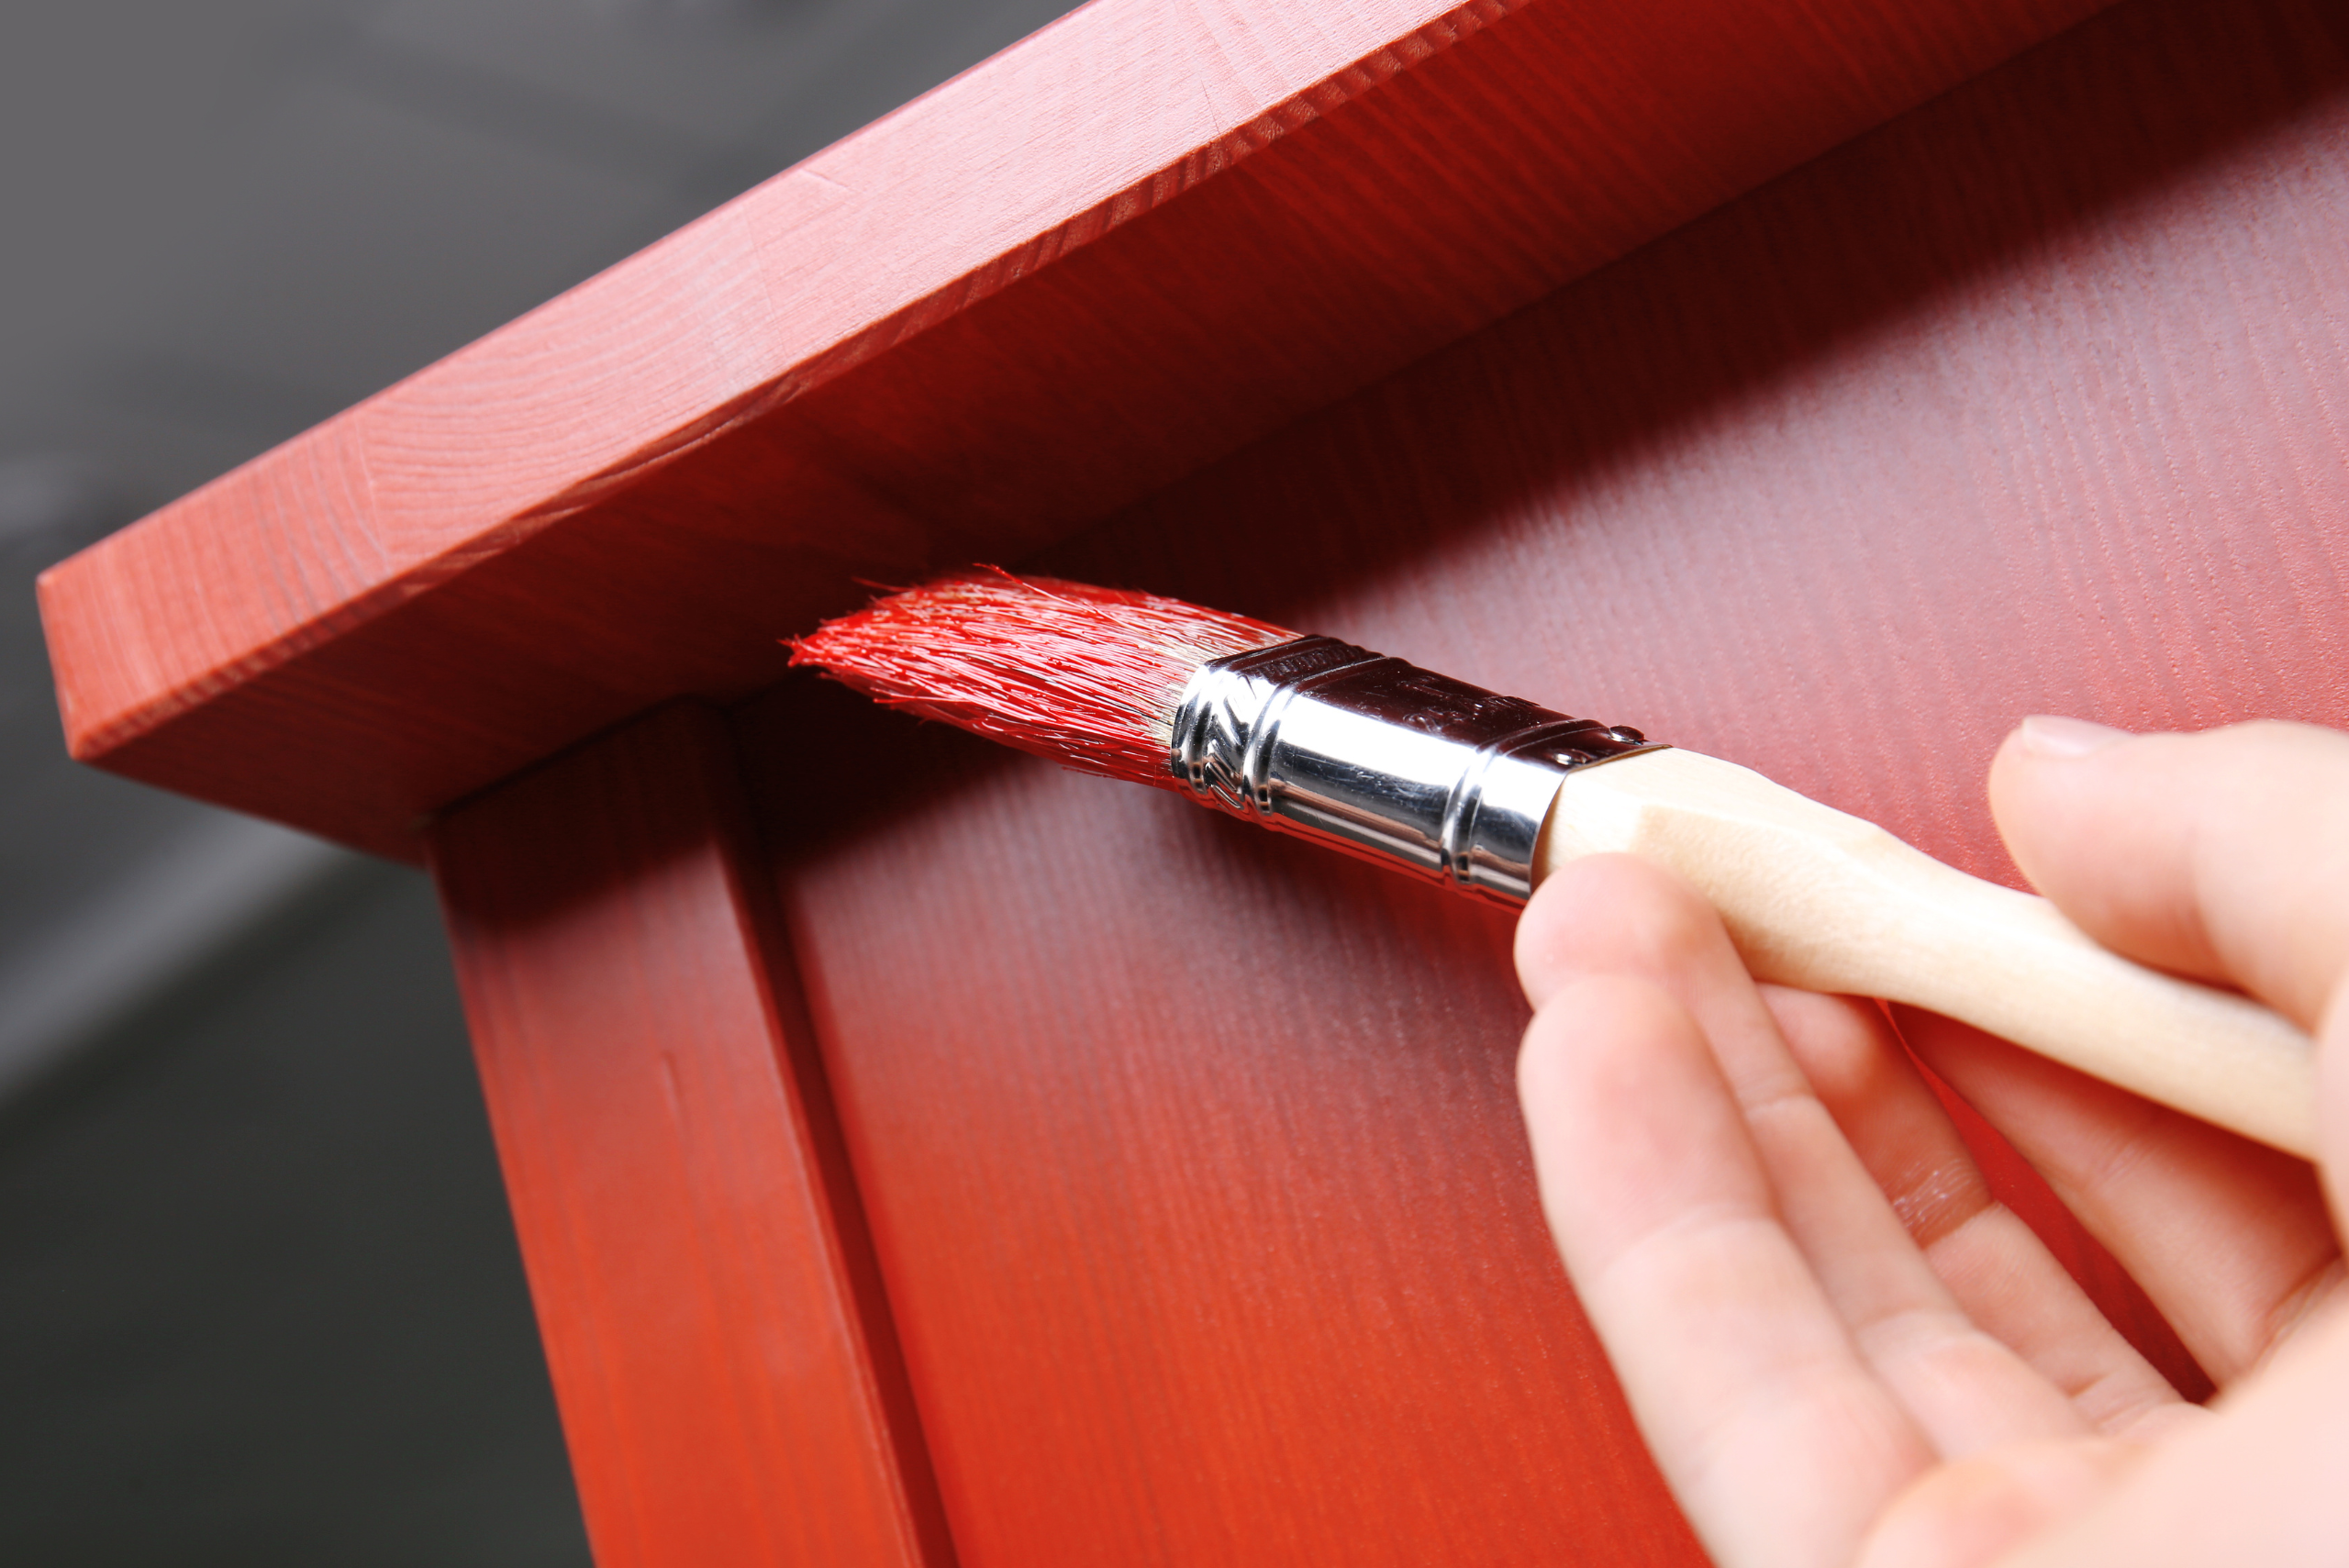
x=1841, y=1349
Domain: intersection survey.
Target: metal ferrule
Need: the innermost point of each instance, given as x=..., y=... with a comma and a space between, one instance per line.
x=1384, y=760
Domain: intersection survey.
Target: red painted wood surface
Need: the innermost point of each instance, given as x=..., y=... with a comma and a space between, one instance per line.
x=729, y=1384
x=1153, y=231
x=1189, y=1152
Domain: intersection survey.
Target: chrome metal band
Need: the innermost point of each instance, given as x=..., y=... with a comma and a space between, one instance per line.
x=1384, y=760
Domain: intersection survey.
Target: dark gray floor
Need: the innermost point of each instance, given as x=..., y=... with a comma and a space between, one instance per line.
x=259, y=1297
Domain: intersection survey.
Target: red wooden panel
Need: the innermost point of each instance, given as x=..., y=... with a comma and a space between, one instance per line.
x=1151, y=232
x=1202, y=1200
x=1189, y=1152
x=728, y=1380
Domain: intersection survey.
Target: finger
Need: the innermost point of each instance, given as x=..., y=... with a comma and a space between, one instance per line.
x=1964, y=1515
x=1779, y=1443
x=2222, y=855
x=1997, y=1271
x=2258, y=1483
x=2230, y=1239
x=1617, y=915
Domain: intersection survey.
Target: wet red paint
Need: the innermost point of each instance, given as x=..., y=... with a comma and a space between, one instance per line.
x=1085, y=676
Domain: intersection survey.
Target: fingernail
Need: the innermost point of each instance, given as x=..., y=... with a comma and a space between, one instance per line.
x=2050, y=735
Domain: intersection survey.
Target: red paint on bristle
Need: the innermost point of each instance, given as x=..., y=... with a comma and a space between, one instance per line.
x=1086, y=676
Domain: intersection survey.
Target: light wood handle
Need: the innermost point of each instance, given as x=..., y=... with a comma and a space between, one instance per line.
x=1816, y=898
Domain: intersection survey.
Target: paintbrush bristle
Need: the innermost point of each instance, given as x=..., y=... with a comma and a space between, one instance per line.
x=1086, y=676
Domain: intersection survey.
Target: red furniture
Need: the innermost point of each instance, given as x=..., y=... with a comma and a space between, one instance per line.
x=923, y=1156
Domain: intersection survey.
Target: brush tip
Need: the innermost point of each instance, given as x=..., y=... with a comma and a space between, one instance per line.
x=1089, y=677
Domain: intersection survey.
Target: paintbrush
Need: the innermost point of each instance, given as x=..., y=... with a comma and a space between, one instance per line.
x=1487, y=794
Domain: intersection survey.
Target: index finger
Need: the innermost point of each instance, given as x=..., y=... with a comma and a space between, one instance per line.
x=2224, y=855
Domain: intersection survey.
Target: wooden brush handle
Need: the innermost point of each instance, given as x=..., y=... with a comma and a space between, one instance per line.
x=1816, y=898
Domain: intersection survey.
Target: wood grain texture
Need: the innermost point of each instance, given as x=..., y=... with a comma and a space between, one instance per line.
x=1191, y=1159
x=729, y=1383
x=1200, y=1198
x=1153, y=231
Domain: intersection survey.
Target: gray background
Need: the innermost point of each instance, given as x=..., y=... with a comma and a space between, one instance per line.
x=259, y=1300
